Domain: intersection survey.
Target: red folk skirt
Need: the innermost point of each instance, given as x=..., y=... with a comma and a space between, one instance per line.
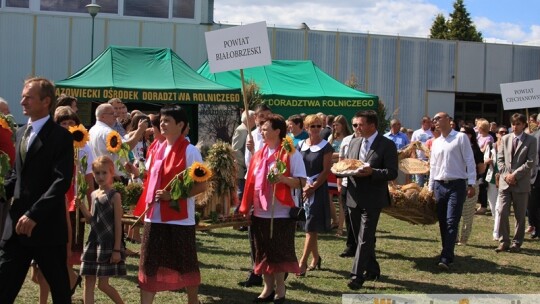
x=168, y=258
x=276, y=254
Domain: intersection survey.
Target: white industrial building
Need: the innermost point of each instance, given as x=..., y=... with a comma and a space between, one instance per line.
x=416, y=76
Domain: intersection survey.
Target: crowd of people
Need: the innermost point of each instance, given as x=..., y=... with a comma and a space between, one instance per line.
x=480, y=163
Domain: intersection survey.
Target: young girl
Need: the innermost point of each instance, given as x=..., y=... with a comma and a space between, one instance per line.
x=103, y=254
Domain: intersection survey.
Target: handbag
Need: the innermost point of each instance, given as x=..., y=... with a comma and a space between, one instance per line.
x=298, y=213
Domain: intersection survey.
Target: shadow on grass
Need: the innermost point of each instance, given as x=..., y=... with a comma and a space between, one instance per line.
x=211, y=294
x=462, y=265
x=228, y=235
x=406, y=238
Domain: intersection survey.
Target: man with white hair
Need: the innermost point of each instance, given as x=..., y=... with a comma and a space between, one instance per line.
x=105, y=121
x=4, y=106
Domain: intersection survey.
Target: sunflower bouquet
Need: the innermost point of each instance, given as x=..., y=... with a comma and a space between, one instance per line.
x=279, y=168
x=115, y=145
x=80, y=138
x=182, y=183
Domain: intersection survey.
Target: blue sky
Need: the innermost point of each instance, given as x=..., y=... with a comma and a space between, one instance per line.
x=516, y=21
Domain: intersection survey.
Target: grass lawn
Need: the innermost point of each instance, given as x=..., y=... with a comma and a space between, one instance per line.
x=407, y=255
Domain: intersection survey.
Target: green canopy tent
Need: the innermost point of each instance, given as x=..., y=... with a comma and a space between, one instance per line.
x=144, y=76
x=298, y=86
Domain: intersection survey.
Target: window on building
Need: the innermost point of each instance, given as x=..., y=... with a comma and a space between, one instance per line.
x=184, y=9
x=64, y=6
x=18, y=3
x=145, y=8
x=108, y=6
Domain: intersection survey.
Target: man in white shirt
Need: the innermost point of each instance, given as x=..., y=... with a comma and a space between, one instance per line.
x=255, y=142
x=105, y=121
x=422, y=135
x=452, y=178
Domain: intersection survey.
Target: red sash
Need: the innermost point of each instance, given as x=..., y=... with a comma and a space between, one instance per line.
x=283, y=191
x=141, y=203
x=174, y=163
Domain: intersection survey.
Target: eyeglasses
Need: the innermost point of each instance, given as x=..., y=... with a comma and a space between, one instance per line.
x=502, y=132
x=355, y=125
x=108, y=113
x=436, y=118
x=315, y=126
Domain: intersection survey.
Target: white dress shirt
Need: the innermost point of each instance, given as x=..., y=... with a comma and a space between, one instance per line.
x=452, y=158
x=36, y=127
x=258, y=143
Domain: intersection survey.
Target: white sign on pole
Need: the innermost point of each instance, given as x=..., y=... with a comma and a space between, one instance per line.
x=521, y=95
x=238, y=47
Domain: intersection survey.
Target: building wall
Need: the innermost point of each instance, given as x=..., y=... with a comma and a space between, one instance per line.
x=410, y=75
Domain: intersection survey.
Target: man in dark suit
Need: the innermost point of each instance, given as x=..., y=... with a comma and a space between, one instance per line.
x=516, y=158
x=43, y=172
x=533, y=209
x=367, y=193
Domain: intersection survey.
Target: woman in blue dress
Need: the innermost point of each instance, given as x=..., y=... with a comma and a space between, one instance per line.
x=317, y=155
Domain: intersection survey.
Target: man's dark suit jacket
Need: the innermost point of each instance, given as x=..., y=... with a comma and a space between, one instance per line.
x=372, y=191
x=39, y=185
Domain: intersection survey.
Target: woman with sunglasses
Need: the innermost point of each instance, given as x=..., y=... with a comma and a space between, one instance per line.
x=492, y=178
x=317, y=155
x=469, y=206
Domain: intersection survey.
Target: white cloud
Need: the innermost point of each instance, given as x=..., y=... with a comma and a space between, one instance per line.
x=389, y=17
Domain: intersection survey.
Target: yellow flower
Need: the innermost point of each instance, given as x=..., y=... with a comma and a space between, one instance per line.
x=4, y=124
x=288, y=145
x=114, y=142
x=199, y=172
x=80, y=136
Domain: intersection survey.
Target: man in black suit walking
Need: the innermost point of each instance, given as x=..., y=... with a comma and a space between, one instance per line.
x=367, y=193
x=43, y=172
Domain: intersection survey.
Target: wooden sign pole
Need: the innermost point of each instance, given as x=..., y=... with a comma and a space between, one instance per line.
x=246, y=106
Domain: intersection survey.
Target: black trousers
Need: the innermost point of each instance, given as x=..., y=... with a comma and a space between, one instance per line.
x=352, y=230
x=365, y=260
x=15, y=260
x=533, y=208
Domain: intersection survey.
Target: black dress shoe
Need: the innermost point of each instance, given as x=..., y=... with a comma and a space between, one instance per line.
x=534, y=235
x=347, y=254
x=355, y=283
x=279, y=300
x=369, y=276
x=268, y=299
x=252, y=280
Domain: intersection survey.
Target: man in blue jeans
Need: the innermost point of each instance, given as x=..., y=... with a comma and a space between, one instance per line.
x=452, y=178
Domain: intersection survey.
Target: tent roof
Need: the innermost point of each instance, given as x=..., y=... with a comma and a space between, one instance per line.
x=294, y=78
x=139, y=68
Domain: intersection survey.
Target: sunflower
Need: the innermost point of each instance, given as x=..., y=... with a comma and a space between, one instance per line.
x=114, y=142
x=199, y=172
x=288, y=145
x=80, y=136
x=4, y=124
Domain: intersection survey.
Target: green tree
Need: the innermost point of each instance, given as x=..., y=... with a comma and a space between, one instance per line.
x=459, y=25
x=439, y=29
